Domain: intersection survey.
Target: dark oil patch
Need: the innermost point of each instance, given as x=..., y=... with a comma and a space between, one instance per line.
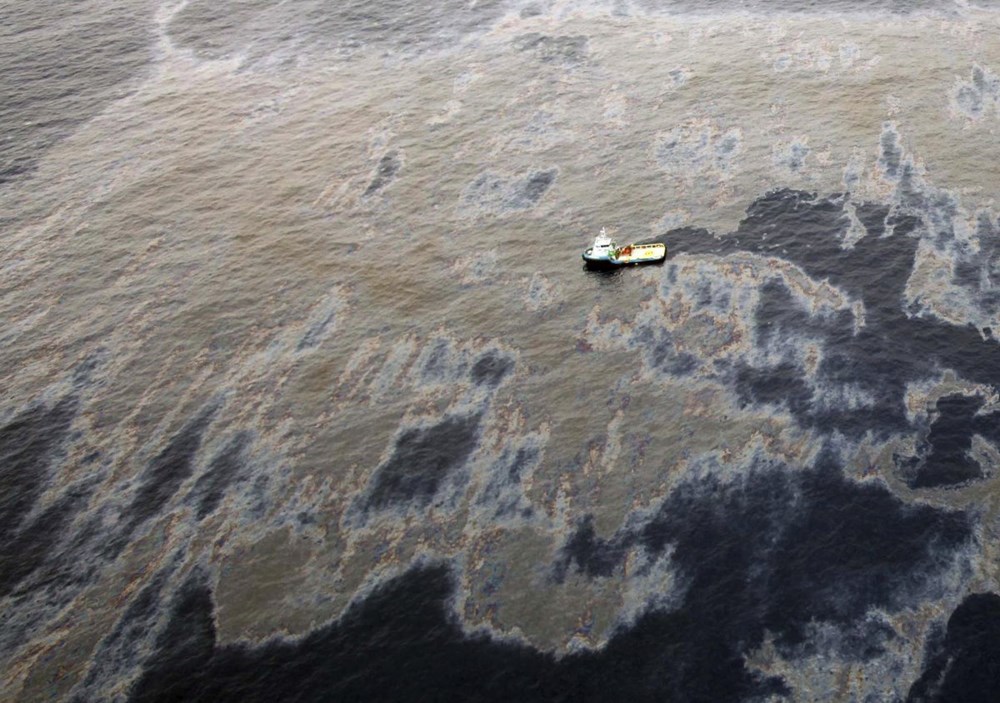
x=491, y=368
x=808, y=231
x=24, y=553
x=529, y=191
x=781, y=384
x=780, y=550
x=506, y=474
x=28, y=445
x=964, y=666
x=210, y=488
x=120, y=647
x=978, y=270
x=880, y=358
x=950, y=439
x=69, y=574
x=590, y=554
x=772, y=554
x=501, y=194
x=402, y=644
x=968, y=272
x=183, y=648
x=385, y=173
x=944, y=459
x=424, y=457
x=161, y=479
x=661, y=353
x=873, y=217
x=523, y=458
x=794, y=158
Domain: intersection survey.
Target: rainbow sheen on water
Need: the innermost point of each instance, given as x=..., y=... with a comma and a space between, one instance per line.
x=306, y=393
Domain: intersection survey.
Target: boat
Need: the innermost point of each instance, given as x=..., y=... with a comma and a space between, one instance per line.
x=605, y=252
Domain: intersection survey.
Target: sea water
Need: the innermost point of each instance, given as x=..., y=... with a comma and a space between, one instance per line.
x=306, y=394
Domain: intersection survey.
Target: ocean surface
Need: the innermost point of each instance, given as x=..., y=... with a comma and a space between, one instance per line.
x=306, y=395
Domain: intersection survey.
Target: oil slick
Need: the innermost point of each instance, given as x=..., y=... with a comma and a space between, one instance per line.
x=301, y=393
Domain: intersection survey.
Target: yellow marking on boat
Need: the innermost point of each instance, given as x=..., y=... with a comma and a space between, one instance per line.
x=642, y=252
